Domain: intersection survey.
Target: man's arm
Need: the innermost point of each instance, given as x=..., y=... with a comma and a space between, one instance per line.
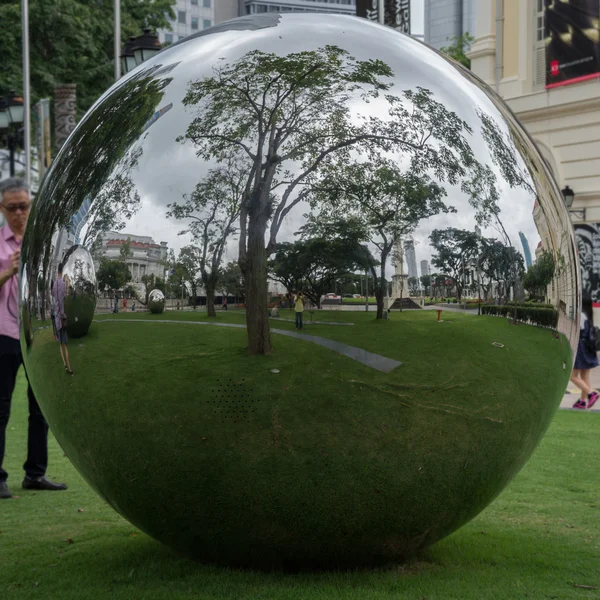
x=5, y=276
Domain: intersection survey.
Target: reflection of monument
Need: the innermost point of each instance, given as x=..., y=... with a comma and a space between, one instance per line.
x=411, y=258
x=399, y=277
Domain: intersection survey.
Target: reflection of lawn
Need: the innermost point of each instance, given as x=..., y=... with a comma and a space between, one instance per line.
x=427, y=444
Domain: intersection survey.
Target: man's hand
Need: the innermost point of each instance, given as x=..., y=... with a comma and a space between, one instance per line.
x=15, y=257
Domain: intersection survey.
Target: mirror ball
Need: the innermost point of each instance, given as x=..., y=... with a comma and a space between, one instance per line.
x=156, y=302
x=304, y=162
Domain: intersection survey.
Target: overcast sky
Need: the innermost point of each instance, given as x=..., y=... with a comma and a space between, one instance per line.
x=417, y=24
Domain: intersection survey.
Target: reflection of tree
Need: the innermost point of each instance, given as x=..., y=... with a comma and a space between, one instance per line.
x=386, y=202
x=455, y=248
x=309, y=265
x=540, y=275
x=290, y=115
x=212, y=209
x=101, y=143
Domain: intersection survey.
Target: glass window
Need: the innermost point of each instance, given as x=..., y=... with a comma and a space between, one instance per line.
x=169, y=37
x=194, y=2
x=181, y=16
x=207, y=23
x=206, y=3
x=181, y=37
x=194, y=22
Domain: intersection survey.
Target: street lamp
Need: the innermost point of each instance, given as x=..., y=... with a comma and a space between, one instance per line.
x=12, y=112
x=139, y=49
x=569, y=196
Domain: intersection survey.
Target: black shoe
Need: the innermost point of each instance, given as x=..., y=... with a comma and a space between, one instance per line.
x=42, y=483
x=4, y=491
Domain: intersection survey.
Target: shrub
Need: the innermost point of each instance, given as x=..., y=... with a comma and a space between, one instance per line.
x=542, y=316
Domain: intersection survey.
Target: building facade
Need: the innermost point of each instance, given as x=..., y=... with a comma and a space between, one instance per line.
x=344, y=7
x=191, y=16
x=411, y=258
x=146, y=256
x=424, y=268
x=444, y=19
x=509, y=54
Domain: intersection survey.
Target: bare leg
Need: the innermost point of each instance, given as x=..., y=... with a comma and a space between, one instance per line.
x=585, y=375
x=577, y=379
x=67, y=355
x=62, y=355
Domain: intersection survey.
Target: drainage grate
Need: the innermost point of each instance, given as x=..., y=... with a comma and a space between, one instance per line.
x=232, y=401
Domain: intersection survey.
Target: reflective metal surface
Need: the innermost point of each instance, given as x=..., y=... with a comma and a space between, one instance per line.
x=302, y=149
x=156, y=302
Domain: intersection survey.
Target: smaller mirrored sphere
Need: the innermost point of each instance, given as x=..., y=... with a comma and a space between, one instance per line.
x=156, y=302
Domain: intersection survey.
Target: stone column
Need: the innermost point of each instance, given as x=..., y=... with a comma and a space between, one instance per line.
x=64, y=111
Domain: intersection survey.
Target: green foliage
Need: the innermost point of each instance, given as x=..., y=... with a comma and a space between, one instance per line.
x=458, y=48
x=231, y=281
x=540, y=275
x=112, y=274
x=544, y=317
x=71, y=41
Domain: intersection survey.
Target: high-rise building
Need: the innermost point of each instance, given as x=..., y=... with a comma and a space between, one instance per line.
x=424, y=268
x=445, y=19
x=192, y=16
x=526, y=250
x=411, y=258
x=344, y=7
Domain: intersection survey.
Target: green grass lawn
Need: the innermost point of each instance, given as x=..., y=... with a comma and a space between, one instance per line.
x=540, y=539
x=305, y=455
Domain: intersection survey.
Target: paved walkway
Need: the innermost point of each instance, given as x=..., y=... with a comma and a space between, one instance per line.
x=305, y=322
x=572, y=393
x=375, y=361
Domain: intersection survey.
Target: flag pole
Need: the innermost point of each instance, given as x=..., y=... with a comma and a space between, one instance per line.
x=381, y=12
x=117, y=40
x=26, y=89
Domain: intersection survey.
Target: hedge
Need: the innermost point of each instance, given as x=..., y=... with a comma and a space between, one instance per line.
x=545, y=317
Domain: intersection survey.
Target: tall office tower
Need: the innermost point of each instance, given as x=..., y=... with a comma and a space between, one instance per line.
x=191, y=16
x=343, y=7
x=526, y=250
x=424, y=268
x=411, y=259
x=445, y=19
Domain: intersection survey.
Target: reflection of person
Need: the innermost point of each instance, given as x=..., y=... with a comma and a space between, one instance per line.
x=14, y=204
x=299, y=308
x=586, y=359
x=116, y=307
x=224, y=302
x=60, y=319
x=133, y=306
x=124, y=303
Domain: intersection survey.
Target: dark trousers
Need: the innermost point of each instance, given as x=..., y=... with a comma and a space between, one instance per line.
x=298, y=320
x=37, y=438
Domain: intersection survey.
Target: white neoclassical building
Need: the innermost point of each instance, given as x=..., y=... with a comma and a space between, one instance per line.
x=146, y=256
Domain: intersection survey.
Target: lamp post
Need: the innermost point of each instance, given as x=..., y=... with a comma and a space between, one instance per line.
x=139, y=49
x=569, y=196
x=12, y=112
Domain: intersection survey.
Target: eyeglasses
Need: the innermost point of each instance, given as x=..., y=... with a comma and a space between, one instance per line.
x=13, y=208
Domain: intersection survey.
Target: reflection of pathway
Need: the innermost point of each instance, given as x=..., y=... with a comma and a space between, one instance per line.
x=375, y=361
x=310, y=322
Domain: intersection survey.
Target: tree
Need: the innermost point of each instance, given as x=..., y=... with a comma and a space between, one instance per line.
x=232, y=281
x=189, y=258
x=310, y=264
x=290, y=115
x=112, y=274
x=426, y=284
x=71, y=41
x=458, y=48
x=387, y=202
x=455, y=248
x=540, y=275
x=213, y=208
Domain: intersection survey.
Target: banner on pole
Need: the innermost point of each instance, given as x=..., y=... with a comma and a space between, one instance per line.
x=572, y=32
x=397, y=13
x=43, y=139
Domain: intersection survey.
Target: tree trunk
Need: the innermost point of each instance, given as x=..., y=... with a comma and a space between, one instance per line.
x=210, y=300
x=257, y=311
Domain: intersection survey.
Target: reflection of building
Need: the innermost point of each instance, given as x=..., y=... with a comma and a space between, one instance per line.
x=445, y=19
x=344, y=7
x=411, y=258
x=146, y=256
x=424, y=268
x=526, y=250
x=191, y=16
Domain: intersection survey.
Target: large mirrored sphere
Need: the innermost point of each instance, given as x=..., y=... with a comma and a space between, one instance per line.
x=309, y=163
x=156, y=302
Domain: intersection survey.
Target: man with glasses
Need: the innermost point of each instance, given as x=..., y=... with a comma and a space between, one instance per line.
x=14, y=205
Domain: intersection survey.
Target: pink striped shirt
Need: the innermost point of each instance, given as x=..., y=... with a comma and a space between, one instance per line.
x=8, y=292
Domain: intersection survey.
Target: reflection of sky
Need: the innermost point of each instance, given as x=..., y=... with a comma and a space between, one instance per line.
x=168, y=170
